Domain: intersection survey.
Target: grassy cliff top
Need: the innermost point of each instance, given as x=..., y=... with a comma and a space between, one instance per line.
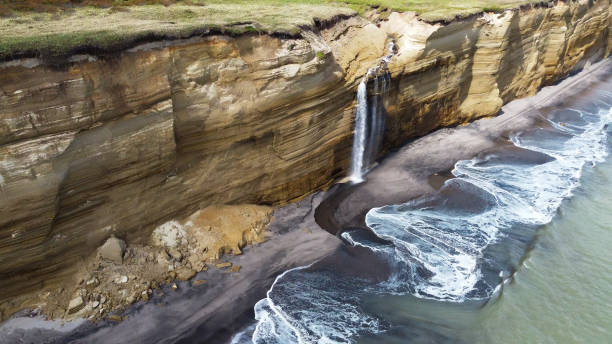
x=52, y=28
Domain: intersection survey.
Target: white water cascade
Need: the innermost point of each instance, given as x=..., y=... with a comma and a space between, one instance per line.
x=360, y=133
x=369, y=130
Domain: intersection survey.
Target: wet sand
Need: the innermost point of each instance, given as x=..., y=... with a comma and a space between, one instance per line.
x=210, y=313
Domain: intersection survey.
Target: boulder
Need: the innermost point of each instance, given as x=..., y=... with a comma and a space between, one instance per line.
x=184, y=273
x=75, y=304
x=175, y=254
x=121, y=279
x=113, y=250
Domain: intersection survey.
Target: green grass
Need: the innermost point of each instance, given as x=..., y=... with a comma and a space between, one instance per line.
x=90, y=28
x=52, y=33
x=437, y=10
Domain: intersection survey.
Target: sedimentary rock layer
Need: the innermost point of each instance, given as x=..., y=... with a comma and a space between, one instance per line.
x=119, y=144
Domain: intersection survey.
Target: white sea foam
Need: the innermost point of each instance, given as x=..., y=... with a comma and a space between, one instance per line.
x=305, y=307
x=449, y=245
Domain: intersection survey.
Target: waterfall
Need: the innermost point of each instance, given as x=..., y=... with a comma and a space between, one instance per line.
x=360, y=133
x=369, y=123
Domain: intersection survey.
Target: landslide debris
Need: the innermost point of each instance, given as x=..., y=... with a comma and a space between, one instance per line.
x=120, y=274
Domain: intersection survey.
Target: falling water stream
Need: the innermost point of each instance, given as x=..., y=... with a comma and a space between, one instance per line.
x=369, y=120
x=359, y=140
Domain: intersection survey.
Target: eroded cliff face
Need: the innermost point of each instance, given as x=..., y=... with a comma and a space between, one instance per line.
x=120, y=144
x=447, y=75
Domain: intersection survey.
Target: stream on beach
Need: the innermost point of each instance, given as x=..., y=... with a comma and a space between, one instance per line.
x=513, y=248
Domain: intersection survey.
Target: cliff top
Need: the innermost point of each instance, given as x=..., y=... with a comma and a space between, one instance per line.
x=52, y=28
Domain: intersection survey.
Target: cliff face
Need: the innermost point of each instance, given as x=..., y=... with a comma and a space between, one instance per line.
x=446, y=75
x=121, y=144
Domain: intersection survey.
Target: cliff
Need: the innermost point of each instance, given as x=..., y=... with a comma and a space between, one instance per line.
x=120, y=144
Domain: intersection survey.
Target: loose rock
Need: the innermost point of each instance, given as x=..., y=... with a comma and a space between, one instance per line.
x=198, y=282
x=75, y=304
x=93, y=282
x=223, y=265
x=113, y=250
x=114, y=317
x=174, y=253
x=184, y=273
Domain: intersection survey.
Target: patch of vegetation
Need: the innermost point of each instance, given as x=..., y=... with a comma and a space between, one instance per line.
x=250, y=29
x=320, y=55
x=96, y=29
x=495, y=9
x=51, y=28
x=61, y=5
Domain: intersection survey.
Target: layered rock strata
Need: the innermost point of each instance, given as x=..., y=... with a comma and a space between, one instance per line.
x=121, y=144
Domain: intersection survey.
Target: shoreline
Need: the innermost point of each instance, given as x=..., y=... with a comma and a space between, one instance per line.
x=406, y=173
x=214, y=311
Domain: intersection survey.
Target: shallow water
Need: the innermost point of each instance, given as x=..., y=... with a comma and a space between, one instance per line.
x=481, y=260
